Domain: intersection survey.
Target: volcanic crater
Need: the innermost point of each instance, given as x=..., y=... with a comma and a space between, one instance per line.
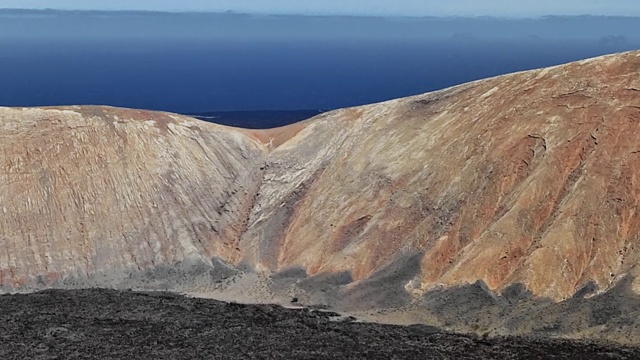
x=505, y=206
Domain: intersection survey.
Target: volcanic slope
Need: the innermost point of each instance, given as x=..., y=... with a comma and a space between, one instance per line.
x=528, y=180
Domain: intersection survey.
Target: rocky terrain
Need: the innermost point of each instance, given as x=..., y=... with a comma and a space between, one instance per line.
x=97, y=324
x=506, y=205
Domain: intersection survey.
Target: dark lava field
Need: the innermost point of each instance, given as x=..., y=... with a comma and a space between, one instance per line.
x=109, y=324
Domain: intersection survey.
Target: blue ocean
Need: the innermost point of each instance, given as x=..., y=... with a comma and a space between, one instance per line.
x=197, y=74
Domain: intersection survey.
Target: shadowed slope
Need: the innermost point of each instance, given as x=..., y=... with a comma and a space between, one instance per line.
x=94, y=189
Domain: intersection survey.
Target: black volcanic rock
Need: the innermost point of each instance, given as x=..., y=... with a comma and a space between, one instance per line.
x=109, y=324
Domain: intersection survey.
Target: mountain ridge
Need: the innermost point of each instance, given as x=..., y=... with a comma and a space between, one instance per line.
x=16, y=10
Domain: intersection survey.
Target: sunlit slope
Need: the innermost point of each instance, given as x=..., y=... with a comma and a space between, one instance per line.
x=525, y=178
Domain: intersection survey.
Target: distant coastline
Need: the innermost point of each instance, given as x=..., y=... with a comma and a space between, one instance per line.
x=50, y=23
x=11, y=10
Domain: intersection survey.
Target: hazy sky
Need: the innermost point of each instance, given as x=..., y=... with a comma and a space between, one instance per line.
x=371, y=7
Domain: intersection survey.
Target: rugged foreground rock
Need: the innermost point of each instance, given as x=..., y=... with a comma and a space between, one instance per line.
x=520, y=191
x=94, y=324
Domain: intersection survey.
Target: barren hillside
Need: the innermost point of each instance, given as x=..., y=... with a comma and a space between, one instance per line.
x=528, y=179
